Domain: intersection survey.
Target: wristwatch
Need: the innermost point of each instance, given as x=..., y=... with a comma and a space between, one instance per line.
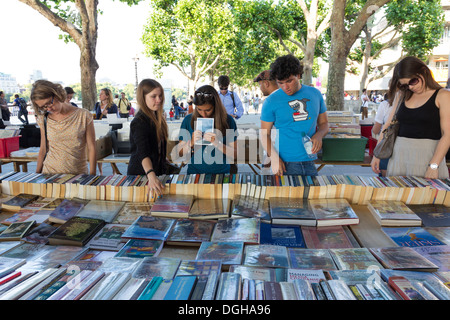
x=433, y=166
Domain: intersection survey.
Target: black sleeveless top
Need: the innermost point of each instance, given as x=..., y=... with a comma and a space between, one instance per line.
x=422, y=122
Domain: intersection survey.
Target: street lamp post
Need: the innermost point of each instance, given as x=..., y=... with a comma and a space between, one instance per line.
x=136, y=59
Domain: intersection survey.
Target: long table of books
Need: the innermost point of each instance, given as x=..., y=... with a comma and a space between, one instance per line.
x=224, y=237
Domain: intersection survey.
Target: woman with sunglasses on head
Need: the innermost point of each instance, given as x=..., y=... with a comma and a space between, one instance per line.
x=220, y=148
x=106, y=104
x=69, y=131
x=423, y=138
x=148, y=135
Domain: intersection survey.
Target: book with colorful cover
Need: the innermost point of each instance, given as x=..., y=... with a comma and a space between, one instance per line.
x=16, y=231
x=228, y=253
x=137, y=248
x=246, y=230
x=149, y=228
x=67, y=209
x=442, y=233
x=354, y=259
x=199, y=267
x=172, y=206
x=266, y=256
x=393, y=213
x=412, y=237
x=181, y=288
x=101, y=209
x=109, y=237
x=316, y=259
x=333, y=212
x=164, y=267
x=439, y=255
x=403, y=258
x=291, y=211
x=333, y=237
x=191, y=232
x=251, y=207
x=282, y=235
x=77, y=231
x=40, y=234
x=19, y=201
x=432, y=215
x=210, y=209
x=132, y=211
x=20, y=216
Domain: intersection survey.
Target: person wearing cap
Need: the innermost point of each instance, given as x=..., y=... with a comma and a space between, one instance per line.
x=267, y=85
x=294, y=110
x=230, y=99
x=69, y=96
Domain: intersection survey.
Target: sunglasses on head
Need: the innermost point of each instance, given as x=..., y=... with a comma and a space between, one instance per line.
x=206, y=96
x=411, y=82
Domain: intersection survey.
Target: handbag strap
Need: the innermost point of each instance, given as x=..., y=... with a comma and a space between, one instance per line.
x=45, y=130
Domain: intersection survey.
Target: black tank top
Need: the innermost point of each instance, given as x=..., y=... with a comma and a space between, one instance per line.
x=422, y=122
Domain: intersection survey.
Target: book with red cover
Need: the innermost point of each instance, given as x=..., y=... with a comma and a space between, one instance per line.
x=404, y=288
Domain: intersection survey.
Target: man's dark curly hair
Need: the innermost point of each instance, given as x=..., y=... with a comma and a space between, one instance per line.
x=285, y=66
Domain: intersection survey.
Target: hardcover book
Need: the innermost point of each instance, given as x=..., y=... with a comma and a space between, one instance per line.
x=67, y=209
x=282, y=235
x=100, y=209
x=291, y=211
x=230, y=286
x=403, y=258
x=138, y=248
x=109, y=237
x=333, y=212
x=246, y=230
x=439, y=255
x=16, y=231
x=255, y=273
x=266, y=256
x=326, y=237
x=412, y=237
x=181, y=288
x=149, y=228
x=210, y=209
x=40, y=234
x=19, y=201
x=132, y=211
x=8, y=265
x=432, y=215
x=354, y=259
x=251, y=207
x=316, y=259
x=228, y=253
x=157, y=267
x=77, y=231
x=172, y=206
x=191, y=232
x=20, y=216
x=393, y=213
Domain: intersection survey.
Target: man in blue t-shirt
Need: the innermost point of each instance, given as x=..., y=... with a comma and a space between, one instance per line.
x=293, y=109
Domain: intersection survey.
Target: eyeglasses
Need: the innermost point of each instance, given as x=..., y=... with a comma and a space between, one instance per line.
x=411, y=82
x=206, y=96
x=223, y=88
x=48, y=105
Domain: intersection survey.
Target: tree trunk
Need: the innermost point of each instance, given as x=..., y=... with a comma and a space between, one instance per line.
x=308, y=62
x=366, y=60
x=89, y=67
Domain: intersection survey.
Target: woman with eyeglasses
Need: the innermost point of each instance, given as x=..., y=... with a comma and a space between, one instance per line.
x=106, y=104
x=148, y=136
x=210, y=151
x=66, y=132
x=423, y=138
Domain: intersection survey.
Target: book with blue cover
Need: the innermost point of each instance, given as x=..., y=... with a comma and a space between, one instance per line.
x=412, y=237
x=432, y=215
x=149, y=228
x=291, y=211
x=137, y=248
x=282, y=235
x=181, y=288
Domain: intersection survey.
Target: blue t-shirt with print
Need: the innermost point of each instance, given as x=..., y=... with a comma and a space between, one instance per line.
x=292, y=115
x=204, y=159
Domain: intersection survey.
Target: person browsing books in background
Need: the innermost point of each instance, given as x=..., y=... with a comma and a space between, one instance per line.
x=69, y=131
x=148, y=135
x=230, y=100
x=294, y=110
x=106, y=104
x=208, y=150
x=423, y=138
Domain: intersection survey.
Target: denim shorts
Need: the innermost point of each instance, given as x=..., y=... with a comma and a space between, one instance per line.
x=303, y=168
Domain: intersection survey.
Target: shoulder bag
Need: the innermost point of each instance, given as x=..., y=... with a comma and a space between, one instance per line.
x=385, y=146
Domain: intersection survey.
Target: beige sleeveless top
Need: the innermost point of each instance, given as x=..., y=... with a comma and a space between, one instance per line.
x=67, y=143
